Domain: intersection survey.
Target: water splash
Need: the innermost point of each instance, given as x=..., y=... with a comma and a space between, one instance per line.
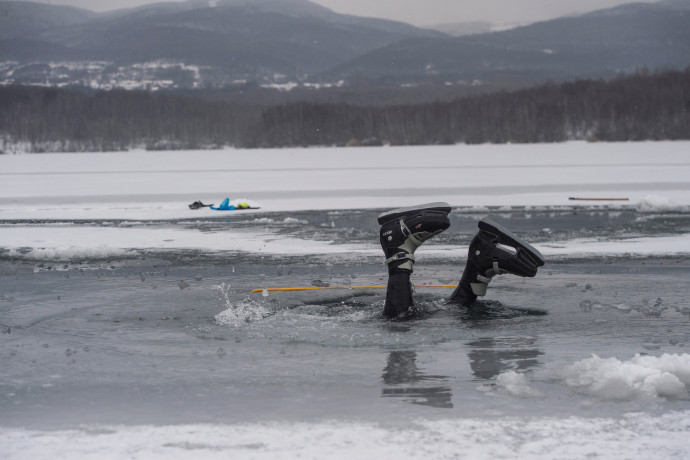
x=239, y=312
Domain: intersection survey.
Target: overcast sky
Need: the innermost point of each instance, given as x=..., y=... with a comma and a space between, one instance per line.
x=422, y=12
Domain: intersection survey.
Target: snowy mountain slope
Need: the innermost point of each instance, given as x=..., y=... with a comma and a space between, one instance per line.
x=276, y=41
x=241, y=38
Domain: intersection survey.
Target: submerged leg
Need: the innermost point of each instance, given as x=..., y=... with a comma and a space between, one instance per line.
x=399, y=293
x=494, y=250
x=403, y=230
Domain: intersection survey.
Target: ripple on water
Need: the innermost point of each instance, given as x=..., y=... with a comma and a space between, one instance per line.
x=354, y=319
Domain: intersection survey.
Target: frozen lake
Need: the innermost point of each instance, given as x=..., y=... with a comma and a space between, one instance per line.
x=124, y=336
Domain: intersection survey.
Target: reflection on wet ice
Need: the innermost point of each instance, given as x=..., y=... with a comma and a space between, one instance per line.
x=492, y=355
x=401, y=376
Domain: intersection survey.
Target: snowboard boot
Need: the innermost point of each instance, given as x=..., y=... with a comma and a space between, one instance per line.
x=493, y=251
x=403, y=230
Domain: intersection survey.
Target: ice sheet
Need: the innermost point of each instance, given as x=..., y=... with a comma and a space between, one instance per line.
x=67, y=242
x=635, y=436
x=159, y=185
x=140, y=185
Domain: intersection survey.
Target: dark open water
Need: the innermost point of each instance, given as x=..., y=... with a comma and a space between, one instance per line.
x=177, y=336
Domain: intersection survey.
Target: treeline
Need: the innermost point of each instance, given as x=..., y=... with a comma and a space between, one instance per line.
x=50, y=119
x=638, y=107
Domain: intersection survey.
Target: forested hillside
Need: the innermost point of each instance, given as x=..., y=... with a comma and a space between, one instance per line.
x=638, y=107
x=62, y=120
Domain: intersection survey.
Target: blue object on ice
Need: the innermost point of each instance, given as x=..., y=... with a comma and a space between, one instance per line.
x=224, y=206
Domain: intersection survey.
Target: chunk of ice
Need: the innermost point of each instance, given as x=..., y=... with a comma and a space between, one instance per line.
x=641, y=377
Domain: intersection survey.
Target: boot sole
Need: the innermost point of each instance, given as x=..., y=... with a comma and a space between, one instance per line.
x=399, y=212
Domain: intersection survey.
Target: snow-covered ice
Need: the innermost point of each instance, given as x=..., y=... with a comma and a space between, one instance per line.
x=129, y=330
x=141, y=185
x=635, y=436
x=158, y=185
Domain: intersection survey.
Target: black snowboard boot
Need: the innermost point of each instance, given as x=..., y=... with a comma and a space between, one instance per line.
x=493, y=251
x=403, y=230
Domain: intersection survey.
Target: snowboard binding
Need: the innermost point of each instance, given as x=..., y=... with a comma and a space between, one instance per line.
x=403, y=230
x=494, y=250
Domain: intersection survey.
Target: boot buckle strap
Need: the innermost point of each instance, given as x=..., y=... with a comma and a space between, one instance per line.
x=490, y=273
x=483, y=279
x=400, y=256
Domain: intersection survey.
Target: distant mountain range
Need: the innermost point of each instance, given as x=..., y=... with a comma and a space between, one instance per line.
x=598, y=44
x=196, y=44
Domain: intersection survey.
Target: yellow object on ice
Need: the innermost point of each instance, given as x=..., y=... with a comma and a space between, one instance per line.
x=316, y=288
